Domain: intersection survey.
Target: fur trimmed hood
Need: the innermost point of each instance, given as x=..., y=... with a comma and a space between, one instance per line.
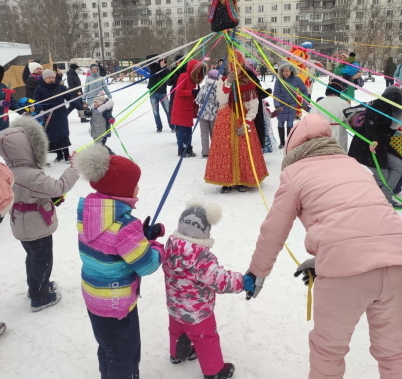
x=24, y=144
x=196, y=70
x=287, y=65
x=107, y=106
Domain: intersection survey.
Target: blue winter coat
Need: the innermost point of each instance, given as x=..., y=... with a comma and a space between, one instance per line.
x=282, y=93
x=398, y=73
x=14, y=105
x=57, y=128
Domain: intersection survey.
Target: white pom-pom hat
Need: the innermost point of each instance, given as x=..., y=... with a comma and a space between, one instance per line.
x=196, y=220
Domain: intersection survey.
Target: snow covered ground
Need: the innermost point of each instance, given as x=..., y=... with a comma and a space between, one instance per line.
x=265, y=338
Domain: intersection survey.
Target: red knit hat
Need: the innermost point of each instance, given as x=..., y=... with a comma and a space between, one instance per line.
x=111, y=175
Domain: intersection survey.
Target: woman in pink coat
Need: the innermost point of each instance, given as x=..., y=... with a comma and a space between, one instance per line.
x=356, y=239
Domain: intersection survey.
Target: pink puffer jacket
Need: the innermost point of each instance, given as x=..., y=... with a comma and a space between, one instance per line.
x=351, y=228
x=193, y=276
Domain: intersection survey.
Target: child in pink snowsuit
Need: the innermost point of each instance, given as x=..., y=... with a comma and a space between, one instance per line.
x=193, y=276
x=356, y=238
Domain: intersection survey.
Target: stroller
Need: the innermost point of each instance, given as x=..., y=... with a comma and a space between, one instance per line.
x=369, y=77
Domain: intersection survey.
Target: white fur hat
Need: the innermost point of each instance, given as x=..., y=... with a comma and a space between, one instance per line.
x=33, y=66
x=196, y=220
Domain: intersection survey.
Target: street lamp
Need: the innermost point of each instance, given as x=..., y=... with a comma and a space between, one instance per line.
x=101, y=34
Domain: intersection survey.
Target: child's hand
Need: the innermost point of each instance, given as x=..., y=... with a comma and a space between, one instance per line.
x=157, y=230
x=256, y=282
x=249, y=283
x=58, y=200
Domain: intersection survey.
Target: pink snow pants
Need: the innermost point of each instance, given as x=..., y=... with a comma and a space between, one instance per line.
x=205, y=339
x=338, y=305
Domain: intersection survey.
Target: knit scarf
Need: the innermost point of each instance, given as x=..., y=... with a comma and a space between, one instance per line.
x=313, y=148
x=36, y=76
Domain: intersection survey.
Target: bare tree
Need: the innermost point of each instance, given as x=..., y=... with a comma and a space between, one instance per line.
x=373, y=31
x=57, y=27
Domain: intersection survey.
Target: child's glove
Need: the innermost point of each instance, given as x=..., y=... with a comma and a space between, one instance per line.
x=157, y=230
x=111, y=120
x=249, y=283
x=58, y=200
x=195, y=91
x=258, y=284
x=305, y=267
x=5, y=104
x=274, y=114
x=278, y=110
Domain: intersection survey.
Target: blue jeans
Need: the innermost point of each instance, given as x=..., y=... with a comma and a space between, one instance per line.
x=281, y=124
x=184, y=136
x=157, y=98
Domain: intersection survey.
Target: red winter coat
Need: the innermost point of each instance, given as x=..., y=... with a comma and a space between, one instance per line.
x=183, y=103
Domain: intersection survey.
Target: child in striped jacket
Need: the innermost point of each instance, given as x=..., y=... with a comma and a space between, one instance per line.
x=115, y=254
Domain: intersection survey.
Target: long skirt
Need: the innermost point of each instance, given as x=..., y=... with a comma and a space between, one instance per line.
x=229, y=162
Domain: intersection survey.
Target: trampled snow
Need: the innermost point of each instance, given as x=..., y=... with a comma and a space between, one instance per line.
x=266, y=337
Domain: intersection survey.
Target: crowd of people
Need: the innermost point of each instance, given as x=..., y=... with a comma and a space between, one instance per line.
x=357, y=266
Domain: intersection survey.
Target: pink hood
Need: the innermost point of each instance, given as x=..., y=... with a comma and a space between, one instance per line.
x=310, y=127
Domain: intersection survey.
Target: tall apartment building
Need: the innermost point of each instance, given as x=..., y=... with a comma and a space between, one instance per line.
x=370, y=27
x=277, y=17
x=109, y=20
x=332, y=25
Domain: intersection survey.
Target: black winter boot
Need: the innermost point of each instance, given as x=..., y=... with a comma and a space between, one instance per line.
x=184, y=350
x=225, y=373
x=288, y=130
x=281, y=132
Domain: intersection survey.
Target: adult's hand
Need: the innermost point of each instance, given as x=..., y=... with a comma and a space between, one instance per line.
x=306, y=267
x=373, y=146
x=279, y=110
x=240, y=131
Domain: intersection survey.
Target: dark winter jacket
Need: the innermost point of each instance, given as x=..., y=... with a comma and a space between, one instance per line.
x=30, y=85
x=4, y=124
x=102, y=70
x=224, y=71
x=100, y=119
x=73, y=80
x=157, y=74
x=287, y=95
x=390, y=67
x=25, y=74
x=259, y=118
x=183, y=107
x=263, y=70
x=377, y=127
x=57, y=128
